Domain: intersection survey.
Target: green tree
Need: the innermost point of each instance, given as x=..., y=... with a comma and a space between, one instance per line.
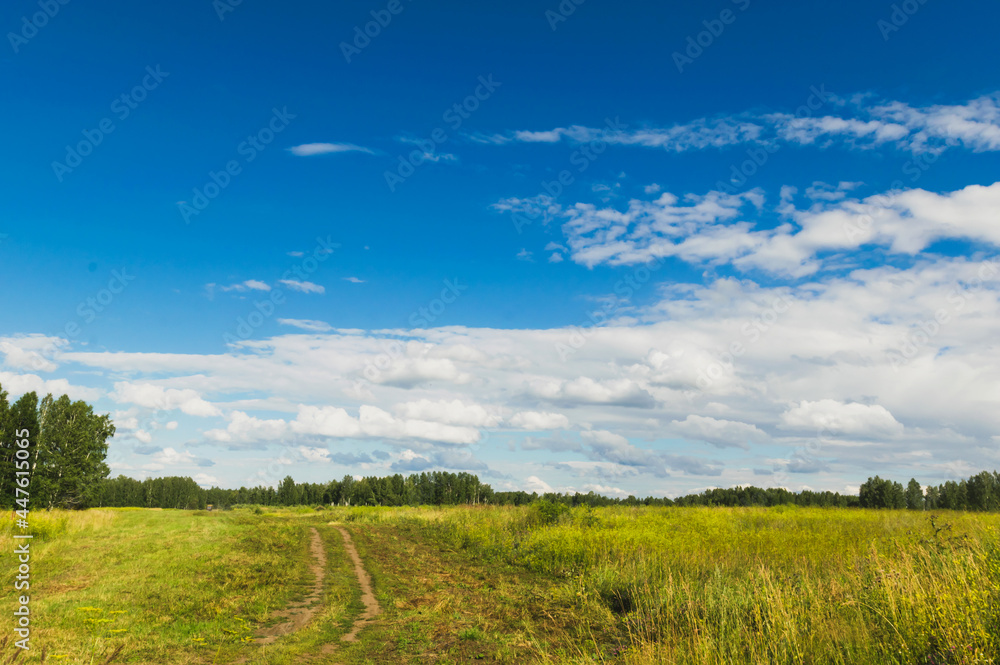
x=914, y=495
x=286, y=492
x=68, y=464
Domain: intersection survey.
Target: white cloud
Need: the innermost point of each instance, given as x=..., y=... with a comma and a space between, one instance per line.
x=450, y=412
x=326, y=421
x=718, y=228
x=718, y=432
x=30, y=351
x=18, y=384
x=535, y=421
x=310, y=149
x=974, y=125
x=304, y=287
x=243, y=428
x=585, y=390
x=611, y=447
x=205, y=480
x=354, y=280
x=378, y=423
x=536, y=484
x=314, y=454
x=833, y=417
x=248, y=285
x=170, y=457
x=412, y=372
x=307, y=324
x=373, y=422
x=157, y=397
x=833, y=356
x=695, y=135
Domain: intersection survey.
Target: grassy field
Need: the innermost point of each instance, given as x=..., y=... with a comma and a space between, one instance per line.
x=517, y=585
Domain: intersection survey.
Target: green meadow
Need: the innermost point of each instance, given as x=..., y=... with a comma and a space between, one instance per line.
x=535, y=584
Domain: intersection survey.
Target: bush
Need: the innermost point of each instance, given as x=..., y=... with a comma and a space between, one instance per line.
x=547, y=512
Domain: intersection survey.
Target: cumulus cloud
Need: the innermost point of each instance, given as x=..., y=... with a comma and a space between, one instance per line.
x=614, y=448
x=157, y=397
x=862, y=352
x=831, y=416
x=412, y=372
x=718, y=228
x=585, y=390
x=718, y=432
x=534, y=421
x=28, y=352
x=205, y=480
x=244, y=428
x=169, y=457
x=411, y=462
x=450, y=412
x=373, y=422
x=311, y=454
x=18, y=384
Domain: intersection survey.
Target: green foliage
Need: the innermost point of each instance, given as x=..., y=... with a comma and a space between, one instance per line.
x=67, y=445
x=914, y=495
x=546, y=512
x=879, y=493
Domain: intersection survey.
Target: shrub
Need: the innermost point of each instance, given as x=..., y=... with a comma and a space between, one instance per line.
x=547, y=512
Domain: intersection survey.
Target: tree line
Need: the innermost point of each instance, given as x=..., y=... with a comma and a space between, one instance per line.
x=979, y=492
x=437, y=488
x=441, y=488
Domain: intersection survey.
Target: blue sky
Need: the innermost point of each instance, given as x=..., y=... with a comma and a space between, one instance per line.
x=822, y=173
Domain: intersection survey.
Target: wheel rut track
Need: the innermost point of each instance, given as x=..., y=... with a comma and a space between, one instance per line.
x=300, y=613
x=372, y=608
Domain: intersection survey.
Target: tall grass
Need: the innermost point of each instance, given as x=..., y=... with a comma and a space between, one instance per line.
x=754, y=585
